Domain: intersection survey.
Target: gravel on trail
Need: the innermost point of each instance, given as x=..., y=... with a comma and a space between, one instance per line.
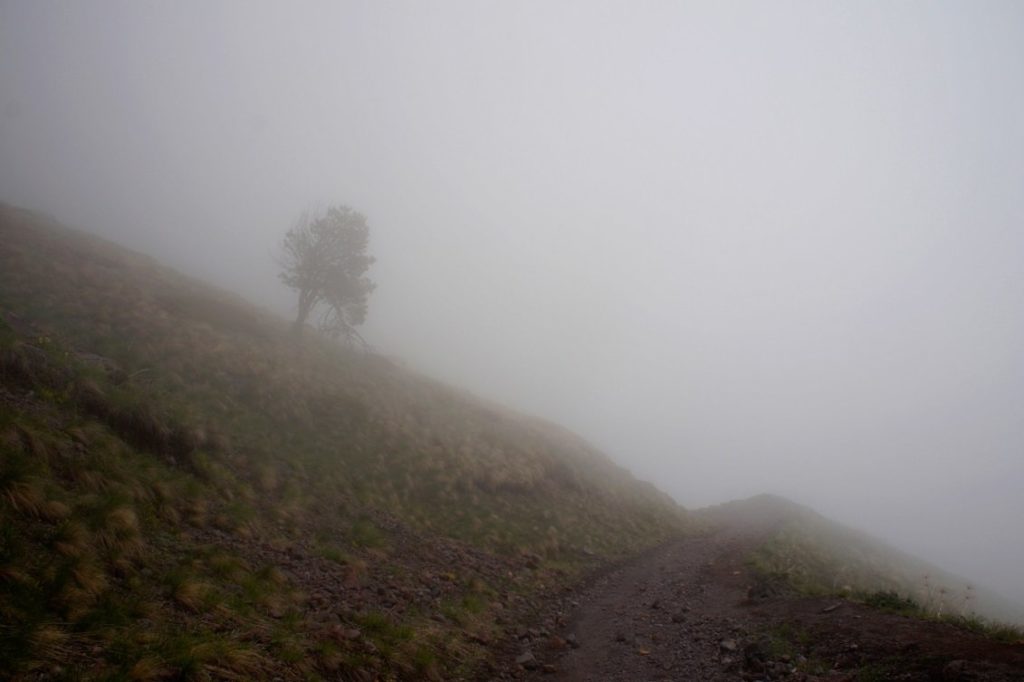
x=693, y=610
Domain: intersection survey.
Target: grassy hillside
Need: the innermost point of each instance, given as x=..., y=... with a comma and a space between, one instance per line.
x=186, y=493
x=815, y=555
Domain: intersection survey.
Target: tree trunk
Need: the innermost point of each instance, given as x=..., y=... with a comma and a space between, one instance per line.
x=306, y=301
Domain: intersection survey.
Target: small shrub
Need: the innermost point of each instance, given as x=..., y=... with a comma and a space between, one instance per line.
x=366, y=534
x=332, y=553
x=892, y=601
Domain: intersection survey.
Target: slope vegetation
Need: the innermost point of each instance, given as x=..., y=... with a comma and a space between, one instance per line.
x=185, y=492
x=815, y=555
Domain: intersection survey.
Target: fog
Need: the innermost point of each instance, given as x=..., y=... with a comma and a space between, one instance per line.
x=741, y=247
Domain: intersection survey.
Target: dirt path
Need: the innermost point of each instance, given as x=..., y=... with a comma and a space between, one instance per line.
x=685, y=613
x=666, y=618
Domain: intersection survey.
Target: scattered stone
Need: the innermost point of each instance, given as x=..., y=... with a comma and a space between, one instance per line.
x=831, y=608
x=527, y=660
x=678, y=618
x=557, y=643
x=549, y=669
x=572, y=641
x=727, y=645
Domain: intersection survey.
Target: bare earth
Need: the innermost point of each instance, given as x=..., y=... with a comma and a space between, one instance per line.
x=693, y=611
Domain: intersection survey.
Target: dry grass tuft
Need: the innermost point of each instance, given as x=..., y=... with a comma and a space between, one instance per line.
x=149, y=668
x=162, y=491
x=25, y=497
x=54, y=510
x=123, y=522
x=191, y=593
x=48, y=642
x=228, y=660
x=121, y=533
x=274, y=575
x=74, y=602
x=169, y=514
x=36, y=446
x=275, y=603
x=197, y=510
x=241, y=659
x=72, y=540
x=229, y=567
x=90, y=480
x=89, y=578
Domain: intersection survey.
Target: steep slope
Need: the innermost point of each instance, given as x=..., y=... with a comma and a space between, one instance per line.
x=816, y=555
x=185, y=492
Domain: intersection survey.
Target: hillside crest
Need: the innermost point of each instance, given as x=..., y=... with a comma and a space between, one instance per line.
x=170, y=455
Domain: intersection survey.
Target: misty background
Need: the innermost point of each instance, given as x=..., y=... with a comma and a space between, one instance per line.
x=741, y=247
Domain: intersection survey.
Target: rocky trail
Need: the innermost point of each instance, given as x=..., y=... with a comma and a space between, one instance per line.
x=692, y=610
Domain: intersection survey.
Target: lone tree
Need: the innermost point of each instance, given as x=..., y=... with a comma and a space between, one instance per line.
x=324, y=258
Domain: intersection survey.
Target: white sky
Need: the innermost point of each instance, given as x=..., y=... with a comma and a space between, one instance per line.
x=742, y=247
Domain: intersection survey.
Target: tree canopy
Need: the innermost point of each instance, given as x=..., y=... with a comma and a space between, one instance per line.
x=324, y=257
